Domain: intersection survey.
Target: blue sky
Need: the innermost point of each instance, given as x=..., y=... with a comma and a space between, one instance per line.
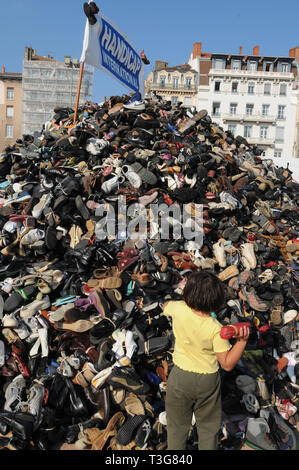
x=165, y=29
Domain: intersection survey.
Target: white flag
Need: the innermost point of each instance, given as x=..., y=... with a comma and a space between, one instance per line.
x=108, y=49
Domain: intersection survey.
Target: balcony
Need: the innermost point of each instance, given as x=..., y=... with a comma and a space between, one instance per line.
x=248, y=118
x=250, y=74
x=171, y=88
x=259, y=141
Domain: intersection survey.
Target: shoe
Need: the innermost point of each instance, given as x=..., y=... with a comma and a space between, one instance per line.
x=126, y=377
x=13, y=393
x=89, y=14
x=35, y=402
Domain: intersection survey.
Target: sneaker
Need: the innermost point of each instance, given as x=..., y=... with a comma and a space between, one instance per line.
x=32, y=308
x=40, y=206
x=35, y=402
x=13, y=393
x=135, y=105
x=126, y=377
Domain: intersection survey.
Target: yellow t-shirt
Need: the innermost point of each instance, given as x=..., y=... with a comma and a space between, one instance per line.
x=197, y=339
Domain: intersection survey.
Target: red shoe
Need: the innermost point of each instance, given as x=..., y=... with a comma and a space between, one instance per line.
x=229, y=331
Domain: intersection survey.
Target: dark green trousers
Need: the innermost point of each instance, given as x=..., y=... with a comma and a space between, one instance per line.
x=188, y=393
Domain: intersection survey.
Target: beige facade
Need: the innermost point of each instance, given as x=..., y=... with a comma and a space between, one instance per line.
x=175, y=84
x=10, y=108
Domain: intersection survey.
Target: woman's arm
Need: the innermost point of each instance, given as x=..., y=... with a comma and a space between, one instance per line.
x=229, y=359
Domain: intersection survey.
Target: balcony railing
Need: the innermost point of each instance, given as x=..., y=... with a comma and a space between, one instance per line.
x=258, y=117
x=171, y=87
x=260, y=141
x=252, y=73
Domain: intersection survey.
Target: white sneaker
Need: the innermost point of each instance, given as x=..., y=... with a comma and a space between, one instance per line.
x=247, y=251
x=112, y=183
x=219, y=253
x=13, y=392
x=33, y=236
x=138, y=105
x=132, y=176
x=40, y=206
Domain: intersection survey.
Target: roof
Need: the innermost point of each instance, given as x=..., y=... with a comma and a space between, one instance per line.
x=10, y=76
x=180, y=68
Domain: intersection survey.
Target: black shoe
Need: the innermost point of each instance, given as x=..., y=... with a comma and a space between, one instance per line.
x=126, y=378
x=89, y=14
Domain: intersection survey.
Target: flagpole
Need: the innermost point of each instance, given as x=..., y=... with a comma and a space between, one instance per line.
x=78, y=92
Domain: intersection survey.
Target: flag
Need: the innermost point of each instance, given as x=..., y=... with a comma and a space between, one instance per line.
x=108, y=49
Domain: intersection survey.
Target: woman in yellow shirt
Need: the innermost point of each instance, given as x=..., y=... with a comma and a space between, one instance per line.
x=193, y=385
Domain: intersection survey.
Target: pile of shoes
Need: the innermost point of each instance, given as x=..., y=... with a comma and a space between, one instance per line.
x=85, y=351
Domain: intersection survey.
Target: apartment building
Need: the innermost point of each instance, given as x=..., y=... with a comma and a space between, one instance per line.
x=48, y=83
x=251, y=95
x=176, y=84
x=10, y=107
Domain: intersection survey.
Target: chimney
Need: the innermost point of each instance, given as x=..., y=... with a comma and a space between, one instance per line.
x=2, y=69
x=294, y=52
x=160, y=65
x=241, y=50
x=197, y=49
x=256, y=50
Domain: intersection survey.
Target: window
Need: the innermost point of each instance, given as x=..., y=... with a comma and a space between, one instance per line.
x=174, y=100
x=277, y=153
x=236, y=64
x=187, y=101
x=188, y=83
x=169, y=78
x=263, y=132
x=234, y=87
x=233, y=108
x=250, y=88
x=249, y=109
x=285, y=67
x=232, y=128
x=217, y=86
x=175, y=82
x=10, y=93
x=9, y=131
x=9, y=111
x=267, y=88
x=283, y=89
x=216, y=109
x=162, y=81
x=182, y=78
x=279, y=134
x=252, y=65
x=265, y=109
x=219, y=64
x=281, y=110
x=247, y=131
x=268, y=66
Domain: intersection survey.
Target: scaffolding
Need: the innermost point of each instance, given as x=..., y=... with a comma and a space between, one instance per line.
x=46, y=84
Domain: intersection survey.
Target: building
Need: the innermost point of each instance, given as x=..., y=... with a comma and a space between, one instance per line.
x=295, y=53
x=48, y=83
x=175, y=84
x=251, y=95
x=10, y=107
